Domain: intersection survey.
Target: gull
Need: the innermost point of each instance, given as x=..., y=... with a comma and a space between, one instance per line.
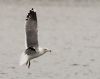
x=33, y=49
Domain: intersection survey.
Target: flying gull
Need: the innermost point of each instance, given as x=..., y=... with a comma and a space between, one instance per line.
x=33, y=50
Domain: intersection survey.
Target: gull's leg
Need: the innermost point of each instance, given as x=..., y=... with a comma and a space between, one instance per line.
x=26, y=62
x=29, y=64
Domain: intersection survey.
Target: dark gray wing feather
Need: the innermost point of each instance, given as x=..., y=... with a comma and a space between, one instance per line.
x=31, y=30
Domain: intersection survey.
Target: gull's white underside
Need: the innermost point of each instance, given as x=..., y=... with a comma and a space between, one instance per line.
x=24, y=57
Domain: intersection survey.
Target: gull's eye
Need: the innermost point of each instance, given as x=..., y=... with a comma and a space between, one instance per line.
x=45, y=49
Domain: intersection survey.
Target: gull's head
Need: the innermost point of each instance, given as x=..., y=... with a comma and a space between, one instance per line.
x=44, y=50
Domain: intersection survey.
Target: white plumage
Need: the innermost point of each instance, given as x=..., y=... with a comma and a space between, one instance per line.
x=23, y=59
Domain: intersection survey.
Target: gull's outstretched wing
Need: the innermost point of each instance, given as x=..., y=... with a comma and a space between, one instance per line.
x=31, y=29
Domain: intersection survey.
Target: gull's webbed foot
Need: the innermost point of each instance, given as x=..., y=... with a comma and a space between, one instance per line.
x=29, y=64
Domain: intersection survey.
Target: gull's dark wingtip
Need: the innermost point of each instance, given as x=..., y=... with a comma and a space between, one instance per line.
x=33, y=10
x=32, y=14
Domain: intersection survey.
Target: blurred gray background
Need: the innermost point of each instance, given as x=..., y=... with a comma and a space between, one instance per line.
x=53, y=2
x=70, y=28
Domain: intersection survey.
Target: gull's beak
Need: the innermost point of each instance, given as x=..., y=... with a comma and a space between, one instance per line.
x=49, y=50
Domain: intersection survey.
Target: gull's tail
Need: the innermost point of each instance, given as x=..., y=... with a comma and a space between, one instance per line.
x=23, y=59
